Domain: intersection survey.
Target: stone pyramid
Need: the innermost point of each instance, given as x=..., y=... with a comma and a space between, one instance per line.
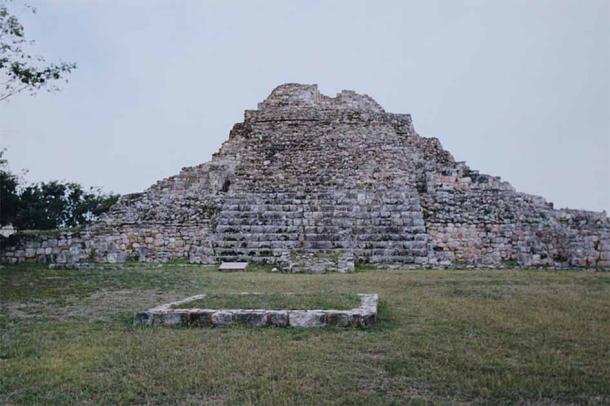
x=316, y=183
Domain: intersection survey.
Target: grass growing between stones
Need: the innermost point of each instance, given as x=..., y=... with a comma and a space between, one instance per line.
x=66, y=336
x=275, y=301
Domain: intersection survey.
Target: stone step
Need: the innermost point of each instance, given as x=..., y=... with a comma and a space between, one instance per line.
x=412, y=246
x=319, y=206
x=387, y=198
x=263, y=214
x=395, y=259
x=326, y=222
x=257, y=228
x=254, y=246
x=324, y=245
x=392, y=234
x=314, y=233
x=237, y=237
x=254, y=256
x=389, y=252
x=329, y=208
x=336, y=221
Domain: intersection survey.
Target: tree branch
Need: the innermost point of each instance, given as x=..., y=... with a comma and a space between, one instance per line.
x=12, y=93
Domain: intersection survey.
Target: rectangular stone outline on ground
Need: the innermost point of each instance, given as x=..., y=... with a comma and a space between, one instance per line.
x=364, y=315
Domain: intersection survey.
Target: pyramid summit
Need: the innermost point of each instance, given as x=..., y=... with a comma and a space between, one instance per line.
x=295, y=95
x=315, y=183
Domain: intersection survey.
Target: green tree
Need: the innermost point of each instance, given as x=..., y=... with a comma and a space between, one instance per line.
x=9, y=198
x=48, y=205
x=90, y=206
x=19, y=70
x=42, y=206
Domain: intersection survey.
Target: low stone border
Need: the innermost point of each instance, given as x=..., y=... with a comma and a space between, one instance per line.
x=364, y=315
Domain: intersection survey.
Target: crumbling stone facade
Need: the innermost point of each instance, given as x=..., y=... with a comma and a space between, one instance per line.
x=311, y=176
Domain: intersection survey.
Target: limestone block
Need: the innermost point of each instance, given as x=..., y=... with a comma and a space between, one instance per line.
x=222, y=318
x=308, y=318
x=278, y=318
x=201, y=318
x=341, y=319
x=251, y=318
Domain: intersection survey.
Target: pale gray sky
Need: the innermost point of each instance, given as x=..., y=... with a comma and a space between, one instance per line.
x=516, y=88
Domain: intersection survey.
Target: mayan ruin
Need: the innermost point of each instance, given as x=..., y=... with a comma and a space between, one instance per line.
x=315, y=183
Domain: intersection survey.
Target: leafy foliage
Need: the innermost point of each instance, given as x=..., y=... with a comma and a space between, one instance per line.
x=20, y=70
x=9, y=199
x=48, y=205
x=45, y=206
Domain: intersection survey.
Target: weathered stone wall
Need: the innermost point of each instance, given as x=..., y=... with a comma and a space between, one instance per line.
x=310, y=173
x=479, y=220
x=145, y=243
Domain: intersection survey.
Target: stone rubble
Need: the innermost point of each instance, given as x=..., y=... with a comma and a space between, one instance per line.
x=313, y=183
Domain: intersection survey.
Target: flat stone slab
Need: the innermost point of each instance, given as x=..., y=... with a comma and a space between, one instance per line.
x=233, y=267
x=364, y=315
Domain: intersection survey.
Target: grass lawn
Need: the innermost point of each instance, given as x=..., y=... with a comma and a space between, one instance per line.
x=275, y=301
x=66, y=336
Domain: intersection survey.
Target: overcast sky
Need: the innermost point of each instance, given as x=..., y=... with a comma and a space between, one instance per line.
x=516, y=88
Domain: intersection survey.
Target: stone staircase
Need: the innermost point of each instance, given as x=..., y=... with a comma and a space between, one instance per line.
x=257, y=227
x=388, y=227
x=379, y=226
